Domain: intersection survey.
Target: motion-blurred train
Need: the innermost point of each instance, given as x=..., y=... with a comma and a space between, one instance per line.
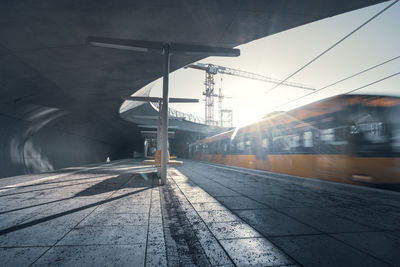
x=346, y=138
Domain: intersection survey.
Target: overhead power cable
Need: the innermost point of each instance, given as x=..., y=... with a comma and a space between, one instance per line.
x=372, y=83
x=339, y=81
x=377, y=81
x=332, y=46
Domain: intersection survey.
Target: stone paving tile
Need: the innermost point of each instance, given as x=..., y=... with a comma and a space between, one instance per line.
x=11, y=203
x=64, y=218
x=74, y=205
x=216, y=255
x=221, y=192
x=240, y=202
x=200, y=198
x=156, y=219
x=272, y=223
x=198, y=194
x=214, y=252
x=23, y=193
x=99, y=218
x=386, y=201
x=379, y=244
x=37, y=235
x=393, y=212
x=156, y=203
x=248, y=191
x=209, y=206
x=255, y=251
x=304, y=200
x=134, y=195
x=106, y=235
x=20, y=256
x=27, y=205
x=395, y=233
x=113, y=255
x=192, y=190
x=370, y=218
x=41, y=229
x=324, y=221
x=13, y=218
x=218, y=216
x=336, y=199
x=230, y=230
x=322, y=250
x=122, y=207
x=61, y=194
x=156, y=234
x=156, y=255
x=155, y=210
x=276, y=201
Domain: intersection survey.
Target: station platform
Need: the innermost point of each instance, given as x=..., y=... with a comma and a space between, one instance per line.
x=206, y=215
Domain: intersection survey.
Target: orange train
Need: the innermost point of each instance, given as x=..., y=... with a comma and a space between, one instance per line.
x=346, y=138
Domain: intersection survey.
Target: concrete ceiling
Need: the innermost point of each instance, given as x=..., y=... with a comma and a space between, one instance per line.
x=45, y=62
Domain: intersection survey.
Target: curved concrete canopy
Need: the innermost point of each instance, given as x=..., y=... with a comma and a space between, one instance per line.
x=147, y=113
x=59, y=98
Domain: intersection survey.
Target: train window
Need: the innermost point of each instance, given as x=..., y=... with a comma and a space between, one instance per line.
x=222, y=147
x=285, y=144
x=248, y=146
x=247, y=143
x=265, y=142
x=307, y=139
x=373, y=132
x=240, y=146
x=334, y=140
x=371, y=138
x=218, y=147
x=295, y=141
x=327, y=136
x=225, y=147
x=205, y=149
x=214, y=148
x=334, y=136
x=341, y=134
x=211, y=148
x=233, y=147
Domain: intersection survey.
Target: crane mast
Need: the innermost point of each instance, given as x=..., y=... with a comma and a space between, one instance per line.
x=211, y=70
x=209, y=94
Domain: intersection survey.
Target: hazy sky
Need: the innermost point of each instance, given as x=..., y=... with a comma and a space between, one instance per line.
x=281, y=54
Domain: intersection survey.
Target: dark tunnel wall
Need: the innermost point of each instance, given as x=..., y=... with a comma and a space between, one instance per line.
x=44, y=127
x=37, y=142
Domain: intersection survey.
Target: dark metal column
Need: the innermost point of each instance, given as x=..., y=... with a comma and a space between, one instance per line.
x=164, y=115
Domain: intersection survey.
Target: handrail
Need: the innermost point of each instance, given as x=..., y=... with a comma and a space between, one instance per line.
x=179, y=114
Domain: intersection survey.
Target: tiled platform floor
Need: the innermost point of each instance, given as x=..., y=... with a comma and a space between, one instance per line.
x=312, y=222
x=117, y=215
x=108, y=215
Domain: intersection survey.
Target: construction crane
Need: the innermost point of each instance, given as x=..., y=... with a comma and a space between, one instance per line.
x=211, y=70
x=225, y=115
